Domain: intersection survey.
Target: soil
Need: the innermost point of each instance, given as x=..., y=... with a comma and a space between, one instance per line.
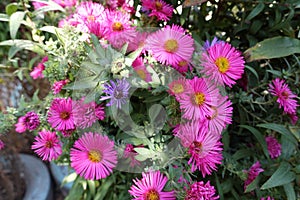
x=12, y=184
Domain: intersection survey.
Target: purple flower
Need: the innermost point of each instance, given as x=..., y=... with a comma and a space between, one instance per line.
x=207, y=44
x=58, y=85
x=274, y=147
x=31, y=120
x=199, y=190
x=116, y=92
x=253, y=172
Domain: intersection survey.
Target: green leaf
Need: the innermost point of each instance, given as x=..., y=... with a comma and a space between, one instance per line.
x=103, y=189
x=24, y=44
x=280, y=129
x=260, y=138
x=49, y=29
x=289, y=191
x=11, y=8
x=84, y=83
x=275, y=47
x=251, y=69
x=281, y=176
x=4, y=17
x=92, y=187
x=242, y=153
x=15, y=21
x=253, y=185
x=260, y=7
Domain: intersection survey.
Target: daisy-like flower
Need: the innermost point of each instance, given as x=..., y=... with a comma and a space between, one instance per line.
x=86, y=14
x=141, y=70
x=205, y=149
x=116, y=92
x=66, y=3
x=2, y=145
x=182, y=66
x=178, y=87
x=20, y=126
x=93, y=156
x=58, y=85
x=86, y=114
x=118, y=28
x=170, y=45
x=31, y=120
x=158, y=8
x=253, y=172
x=60, y=115
x=47, y=145
x=138, y=42
x=199, y=191
x=150, y=187
x=197, y=103
x=37, y=71
x=285, y=97
x=221, y=115
x=274, y=147
x=223, y=64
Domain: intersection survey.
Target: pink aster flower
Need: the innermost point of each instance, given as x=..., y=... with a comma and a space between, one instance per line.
x=138, y=42
x=285, y=97
x=220, y=116
x=60, y=114
x=38, y=5
x=37, y=71
x=253, y=172
x=141, y=70
x=67, y=133
x=47, y=145
x=58, y=85
x=267, y=198
x=170, y=45
x=201, y=191
x=179, y=87
x=86, y=114
x=31, y=120
x=197, y=103
x=118, y=28
x=86, y=14
x=150, y=187
x=274, y=147
x=66, y=3
x=223, y=64
x=205, y=149
x=182, y=66
x=158, y=8
x=2, y=145
x=20, y=126
x=93, y=156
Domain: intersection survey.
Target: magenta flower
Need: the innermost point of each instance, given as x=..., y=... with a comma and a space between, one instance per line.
x=31, y=121
x=197, y=103
x=179, y=87
x=86, y=114
x=58, y=85
x=116, y=92
x=253, y=172
x=285, y=97
x=130, y=153
x=205, y=149
x=60, y=114
x=47, y=145
x=138, y=42
x=66, y=3
x=201, y=191
x=221, y=115
x=267, y=198
x=2, y=145
x=182, y=66
x=274, y=147
x=223, y=64
x=118, y=28
x=150, y=187
x=170, y=45
x=141, y=70
x=158, y=8
x=37, y=71
x=93, y=156
x=20, y=126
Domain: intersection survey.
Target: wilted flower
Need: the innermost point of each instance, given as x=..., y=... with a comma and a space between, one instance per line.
x=201, y=191
x=252, y=173
x=274, y=147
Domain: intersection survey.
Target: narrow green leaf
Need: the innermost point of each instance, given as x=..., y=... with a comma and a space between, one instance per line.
x=252, y=70
x=4, y=17
x=281, y=176
x=280, y=129
x=253, y=185
x=15, y=21
x=275, y=47
x=103, y=189
x=260, y=7
x=242, y=153
x=289, y=191
x=24, y=44
x=92, y=187
x=260, y=138
x=85, y=83
x=49, y=29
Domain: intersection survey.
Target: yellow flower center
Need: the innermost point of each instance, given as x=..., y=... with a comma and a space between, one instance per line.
x=91, y=18
x=158, y=6
x=182, y=63
x=178, y=88
x=117, y=26
x=223, y=64
x=95, y=156
x=64, y=115
x=152, y=195
x=171, y=46
x=199, y=98
x=141, y=73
